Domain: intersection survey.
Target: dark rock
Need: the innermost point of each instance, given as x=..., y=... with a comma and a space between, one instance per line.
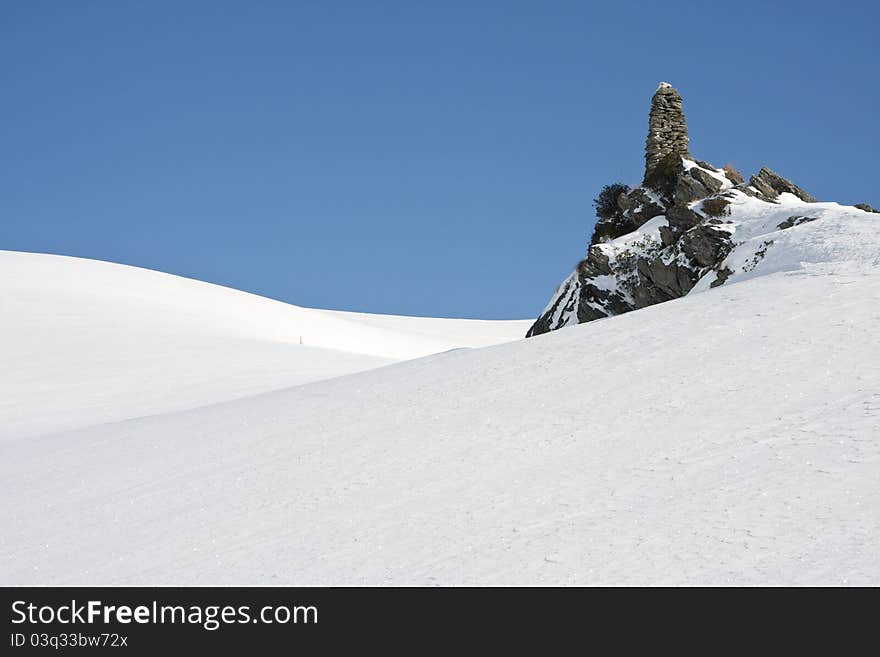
x=721, y=277
x=706, y=246
x=611, y=228
x=689, y=189
x=667, y=235
x=795, y=220
x=647, y=293
x=770, y=185
x=640, y=206
x=672, y=279
x=866, y=207
x=634, y=208
x=708, y=181
x=591, y=296
x=563, y=297
x=595, y=264
x=586, y=313
x=681, y=218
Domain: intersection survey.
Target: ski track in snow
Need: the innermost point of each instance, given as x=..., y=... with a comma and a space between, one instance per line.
x=730, y=437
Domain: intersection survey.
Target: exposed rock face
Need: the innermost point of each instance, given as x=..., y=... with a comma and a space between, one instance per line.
x=665, y=236
x=634, y=208
x=866, y=207
x=769, y=185
x=667, y=130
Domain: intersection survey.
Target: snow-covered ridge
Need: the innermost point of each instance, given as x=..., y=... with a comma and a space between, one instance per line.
x=790, y=234
x=711, y=231
x=85, y=341
x=691, y=226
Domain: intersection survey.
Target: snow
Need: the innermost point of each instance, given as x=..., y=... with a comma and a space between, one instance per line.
x=86, y=342
x=728, y=437
x=648, y=231
x=838, y=233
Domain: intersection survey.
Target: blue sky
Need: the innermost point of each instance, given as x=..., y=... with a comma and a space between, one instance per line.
x=425, y=158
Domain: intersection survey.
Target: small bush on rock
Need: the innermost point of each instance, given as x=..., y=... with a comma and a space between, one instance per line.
x=606, y=202
x=663, y=177
x=733, y=174
x=716, y=207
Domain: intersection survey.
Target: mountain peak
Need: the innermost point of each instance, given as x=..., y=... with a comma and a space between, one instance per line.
x=691, y=226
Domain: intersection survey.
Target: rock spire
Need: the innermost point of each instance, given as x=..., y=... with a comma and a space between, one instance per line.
x=667, y=129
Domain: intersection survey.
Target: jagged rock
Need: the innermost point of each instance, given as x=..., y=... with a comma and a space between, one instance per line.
x=667, y=129
x=708, y=181
x=595, y=264
x=689, y=189
x=681, y=218
x=639, y=205
x=721, y=277
x=647, y=293
x=634, y=209
x=668, y=235
x=694, y=184
x=769, y=185
x=706, y=245
x=671, y=278
x=795, y=220
x=866, y=207
x=565, y=302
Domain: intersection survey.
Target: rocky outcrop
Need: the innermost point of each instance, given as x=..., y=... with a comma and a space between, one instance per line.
x=634, y=208
x=768, y=185
x=663, y=237
x=866, y=207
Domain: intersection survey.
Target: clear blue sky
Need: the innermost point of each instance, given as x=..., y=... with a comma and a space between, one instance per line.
x=425, y=158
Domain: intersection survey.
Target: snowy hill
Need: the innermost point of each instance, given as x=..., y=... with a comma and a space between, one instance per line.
x=731, y=436
x=86, y=342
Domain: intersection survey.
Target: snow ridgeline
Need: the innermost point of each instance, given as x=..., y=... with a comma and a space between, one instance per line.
x=86, y=342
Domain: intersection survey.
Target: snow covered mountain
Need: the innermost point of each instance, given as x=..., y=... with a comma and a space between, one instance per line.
x=164, y=431
x=86, y=342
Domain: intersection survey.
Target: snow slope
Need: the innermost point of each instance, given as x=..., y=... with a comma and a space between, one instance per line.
x=728, y=437
x=84, y=342
x=830, y=232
